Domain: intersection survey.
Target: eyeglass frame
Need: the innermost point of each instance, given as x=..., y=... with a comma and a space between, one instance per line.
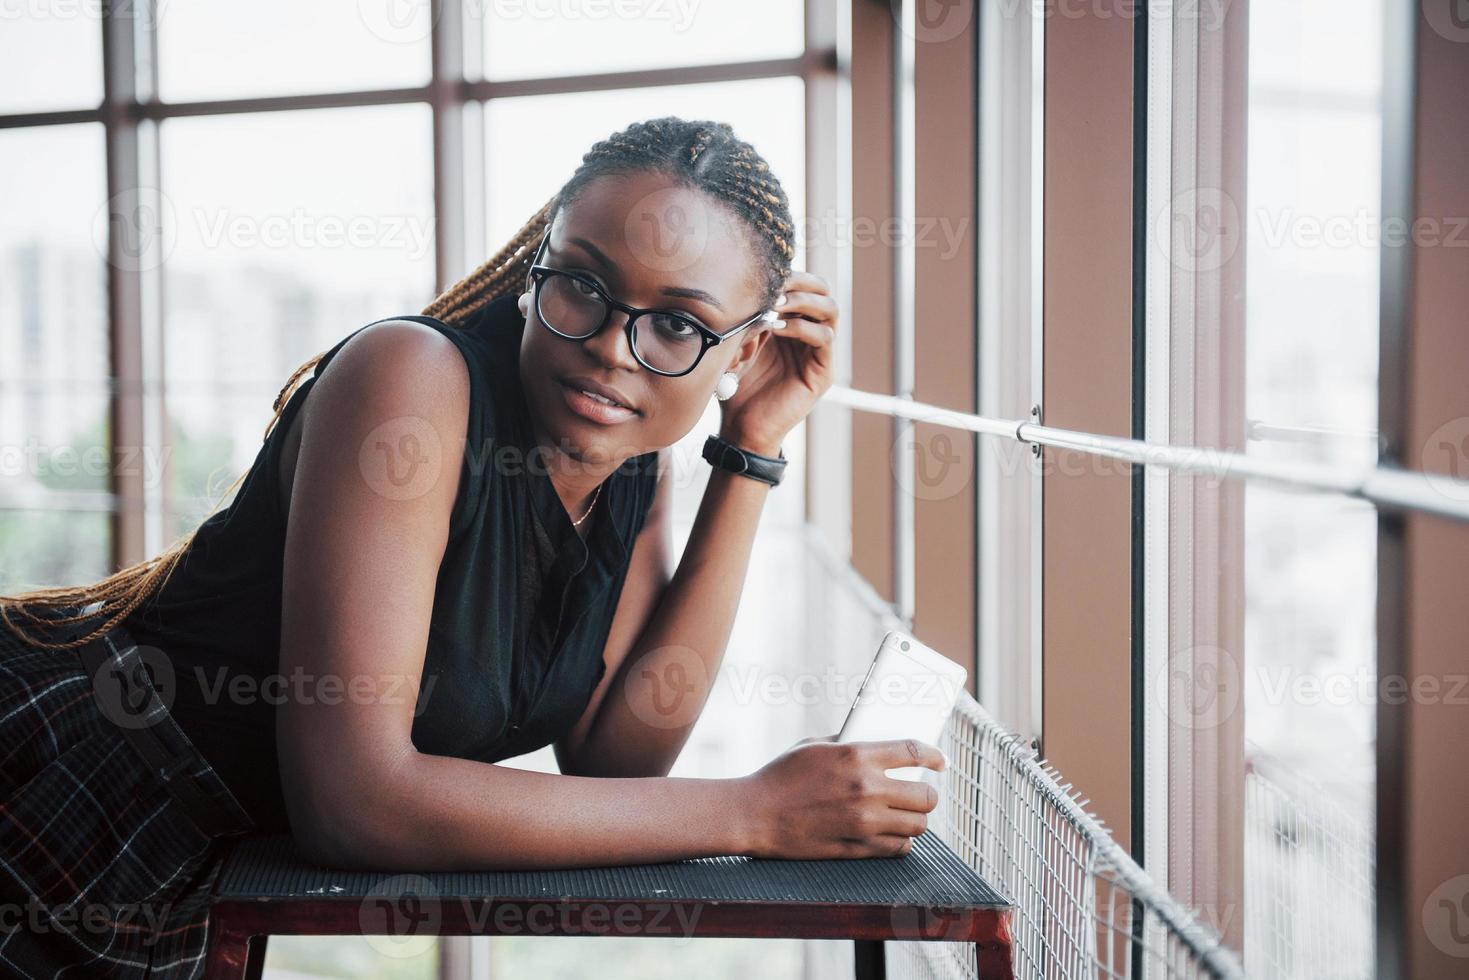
x=711, y=339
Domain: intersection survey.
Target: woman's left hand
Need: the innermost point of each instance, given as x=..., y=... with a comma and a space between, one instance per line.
x=793, y=369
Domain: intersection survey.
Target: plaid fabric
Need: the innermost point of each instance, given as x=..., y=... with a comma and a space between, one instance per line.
x=103, y=873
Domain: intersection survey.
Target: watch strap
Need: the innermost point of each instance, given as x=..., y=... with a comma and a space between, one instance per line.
x=725, y=455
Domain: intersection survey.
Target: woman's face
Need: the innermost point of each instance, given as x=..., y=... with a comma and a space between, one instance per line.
x=649, y=242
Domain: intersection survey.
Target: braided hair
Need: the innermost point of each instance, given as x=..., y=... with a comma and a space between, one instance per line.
x=700, y=154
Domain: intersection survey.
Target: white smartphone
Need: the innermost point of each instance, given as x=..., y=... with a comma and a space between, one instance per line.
x=909, y=692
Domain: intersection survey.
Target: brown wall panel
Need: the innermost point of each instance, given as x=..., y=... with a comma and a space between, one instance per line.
x=944, y=237
x=1436, y=567
x=1088, y=383
x=871, y=316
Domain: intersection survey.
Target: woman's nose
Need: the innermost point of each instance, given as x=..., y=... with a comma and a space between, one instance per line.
x=610, y=344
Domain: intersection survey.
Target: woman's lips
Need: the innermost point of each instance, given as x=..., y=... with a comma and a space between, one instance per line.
x=592, y=409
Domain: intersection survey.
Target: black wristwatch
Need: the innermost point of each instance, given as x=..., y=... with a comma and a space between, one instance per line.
x=727, y=456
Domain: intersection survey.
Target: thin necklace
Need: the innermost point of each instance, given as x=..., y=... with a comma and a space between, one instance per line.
x=577, y=523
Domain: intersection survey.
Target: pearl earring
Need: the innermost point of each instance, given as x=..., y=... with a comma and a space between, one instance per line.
x=729, y=383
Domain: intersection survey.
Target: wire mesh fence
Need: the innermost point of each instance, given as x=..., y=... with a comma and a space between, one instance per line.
x=1308, y=878
x=1083, y=907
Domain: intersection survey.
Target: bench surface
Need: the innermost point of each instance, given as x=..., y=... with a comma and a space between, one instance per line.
x=927, y=894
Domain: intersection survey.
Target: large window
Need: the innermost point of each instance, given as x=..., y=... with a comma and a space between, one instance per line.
x=282, y=175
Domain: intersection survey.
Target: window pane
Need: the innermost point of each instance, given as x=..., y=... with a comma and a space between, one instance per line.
x=768, y=113
x=279, y=255
x=277, y=47
x=44, y=548
x=1310, y=691
x=1314, y=190
x=1309, y=670
x=50, y=57
x=54, y=426
x=529, y=40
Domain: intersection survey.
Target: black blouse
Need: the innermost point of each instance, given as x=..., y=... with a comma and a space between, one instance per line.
x=494, y=685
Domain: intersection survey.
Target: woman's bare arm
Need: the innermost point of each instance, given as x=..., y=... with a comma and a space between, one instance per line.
x=668, y=637
x=366, y=532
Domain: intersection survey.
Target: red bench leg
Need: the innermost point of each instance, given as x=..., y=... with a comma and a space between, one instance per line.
x=255, y=958
x=228, y=956
x=233, y=954
x=994, y=961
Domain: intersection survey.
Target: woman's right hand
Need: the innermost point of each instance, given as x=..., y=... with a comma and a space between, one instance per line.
x=827, y=799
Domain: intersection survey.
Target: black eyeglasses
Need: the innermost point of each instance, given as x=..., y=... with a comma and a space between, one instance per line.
x=576, y=307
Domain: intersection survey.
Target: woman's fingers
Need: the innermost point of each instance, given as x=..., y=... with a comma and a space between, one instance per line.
x=803, y=304
x=815, y=334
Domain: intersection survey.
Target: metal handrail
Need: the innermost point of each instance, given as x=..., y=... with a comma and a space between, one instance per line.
x=1381, y=486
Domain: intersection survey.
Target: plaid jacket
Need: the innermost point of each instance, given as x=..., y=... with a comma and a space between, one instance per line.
x=105, y=869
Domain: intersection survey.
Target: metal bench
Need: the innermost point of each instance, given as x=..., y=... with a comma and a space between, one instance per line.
x=265, y=888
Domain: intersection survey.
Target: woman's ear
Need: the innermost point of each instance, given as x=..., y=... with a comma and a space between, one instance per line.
x=749, y=351
x=524, y=303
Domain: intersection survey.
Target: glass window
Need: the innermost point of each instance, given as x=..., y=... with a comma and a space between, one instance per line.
x=294, y=228
x=533, y=39
x=50, y=57
x=277, y=47
x=1313, y=192
x=54, y=355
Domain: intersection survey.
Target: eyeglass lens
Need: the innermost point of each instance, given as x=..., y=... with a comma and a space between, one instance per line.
x=664, y=341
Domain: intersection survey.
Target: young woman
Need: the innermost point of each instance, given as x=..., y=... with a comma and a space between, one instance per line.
x=454, y=551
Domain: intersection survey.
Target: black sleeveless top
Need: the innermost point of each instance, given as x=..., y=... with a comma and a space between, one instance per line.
x=512, y=655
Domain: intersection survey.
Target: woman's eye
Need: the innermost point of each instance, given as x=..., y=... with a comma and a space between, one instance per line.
x=675, y=327
x=583, y=287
